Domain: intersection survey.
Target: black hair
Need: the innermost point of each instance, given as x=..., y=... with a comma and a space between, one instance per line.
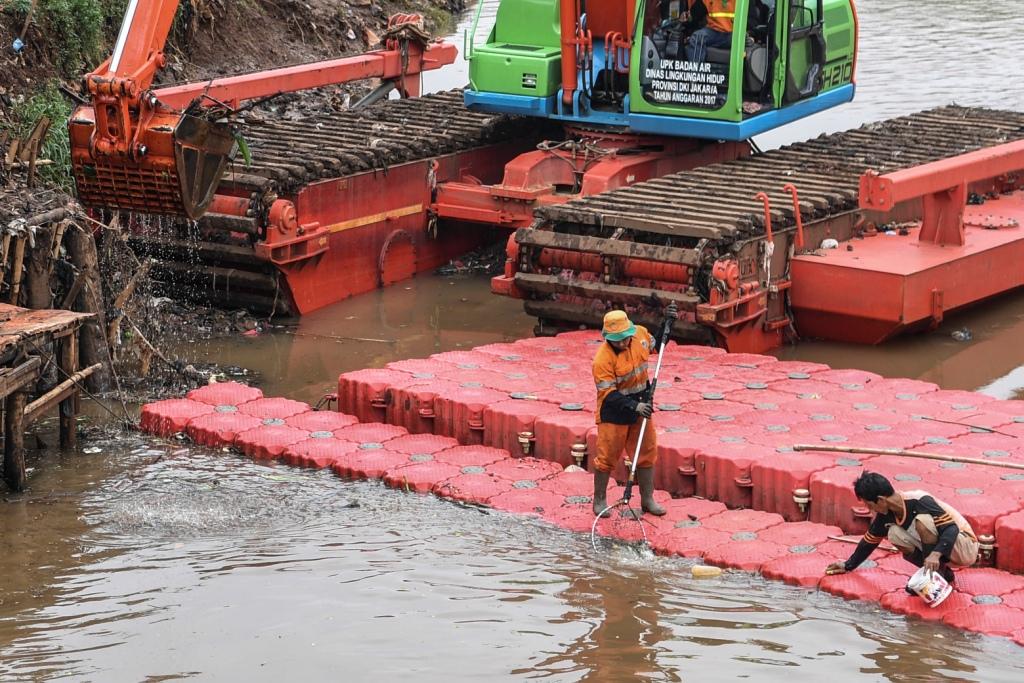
x=871, y=486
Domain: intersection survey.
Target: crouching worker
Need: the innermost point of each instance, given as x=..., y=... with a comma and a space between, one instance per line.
x=620, y=373
x=927, y=531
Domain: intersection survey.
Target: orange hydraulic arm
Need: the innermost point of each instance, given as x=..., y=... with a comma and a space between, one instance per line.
x=118, y=84
x=158, y=151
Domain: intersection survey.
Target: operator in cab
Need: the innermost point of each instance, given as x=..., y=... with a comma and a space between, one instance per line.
x=716, y=33
x=620, y=376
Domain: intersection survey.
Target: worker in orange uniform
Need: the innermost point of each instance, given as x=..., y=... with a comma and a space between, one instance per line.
x=620, y=373
x=718, y=31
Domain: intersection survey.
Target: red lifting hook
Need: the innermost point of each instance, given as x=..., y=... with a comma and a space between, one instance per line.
x=791, y=188
x=767, y=214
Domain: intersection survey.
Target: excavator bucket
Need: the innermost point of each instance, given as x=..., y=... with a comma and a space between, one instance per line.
x=202, y=150
x=185, y=157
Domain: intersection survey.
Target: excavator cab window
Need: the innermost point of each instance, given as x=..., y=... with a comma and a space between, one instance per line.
x=675, y=71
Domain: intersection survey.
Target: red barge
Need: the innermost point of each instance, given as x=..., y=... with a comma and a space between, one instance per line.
x=610, y=199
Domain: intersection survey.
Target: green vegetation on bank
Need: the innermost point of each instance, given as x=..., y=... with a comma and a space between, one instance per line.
x=78, y=29
x=48, y=101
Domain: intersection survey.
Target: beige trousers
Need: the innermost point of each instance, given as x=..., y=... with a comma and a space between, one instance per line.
x=963, y=554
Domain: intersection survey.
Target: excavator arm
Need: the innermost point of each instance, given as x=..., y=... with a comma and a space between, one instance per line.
x=164, y=151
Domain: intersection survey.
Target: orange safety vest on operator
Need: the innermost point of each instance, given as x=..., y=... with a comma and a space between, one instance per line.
x=721, y=14
x=625, y=371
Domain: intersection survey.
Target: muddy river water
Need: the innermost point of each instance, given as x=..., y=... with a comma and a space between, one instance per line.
x=156, y=561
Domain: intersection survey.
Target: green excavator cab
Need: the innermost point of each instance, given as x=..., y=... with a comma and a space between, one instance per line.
x=633, y=64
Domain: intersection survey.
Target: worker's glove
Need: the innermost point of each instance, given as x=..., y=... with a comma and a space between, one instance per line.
x=644, y=409
x=672, y=311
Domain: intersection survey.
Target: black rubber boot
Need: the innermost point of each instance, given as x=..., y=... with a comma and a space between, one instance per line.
x=645, y=479
x=601, y=493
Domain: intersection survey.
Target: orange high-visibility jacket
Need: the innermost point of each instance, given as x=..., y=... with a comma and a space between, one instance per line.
x=624, y=372
x=721, y=14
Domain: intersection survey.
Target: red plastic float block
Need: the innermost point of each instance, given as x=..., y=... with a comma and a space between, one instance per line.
x=777, y=479
x=900, y=602
x=801, y=565
x=521, y=382
x=366, y=393
x=761, y=398
x=901, y=388
x=583, y=337
x=566, y=392
x=503, y=349
x=675, y=470
x=269, y=441
x=424, y=368
x=273, y=408
x=368, y=463
x=472, y=485
x=575, y=518
x=847, y=376
x=460, y=412
x=557, y=432
x=505, y=421
x=988, y=581
x=974, y=445
x=321, y=421
x=1010, y=542
x=412, y=405
x=744, y=551
x=521, y=470
x=691, y=352
x=220, y=428
x=864, y=583
x=629, y=525
x=225, y=394
x=578, y=484
x=317, y=452
x=799, y=533
x=832, y=498
x=421, y=443
x=716, y=409
x=982, y=505
x=733, y=521
x=993, y=620
x=369, y=433
x=464, y=456
x=165, y=418
x=472, y=359
x=827, y=431
x=526, y=501
x=709, y=382
x=1014, y=599
x=799, y=367
x=420, y=477
x=688, y=538
x=723, y=472
x=748, y=359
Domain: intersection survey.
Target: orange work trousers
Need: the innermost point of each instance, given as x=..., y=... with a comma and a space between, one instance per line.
x=613, y=439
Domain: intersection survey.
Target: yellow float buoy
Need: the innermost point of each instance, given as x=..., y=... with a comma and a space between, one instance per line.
x=703, y=571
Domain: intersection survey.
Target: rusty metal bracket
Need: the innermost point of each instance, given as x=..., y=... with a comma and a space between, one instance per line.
x=942, y=188
x=797, y=216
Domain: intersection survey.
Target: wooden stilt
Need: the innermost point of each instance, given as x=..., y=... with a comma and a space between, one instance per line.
x=82, y=249
x=68, y=407
x=14, y=440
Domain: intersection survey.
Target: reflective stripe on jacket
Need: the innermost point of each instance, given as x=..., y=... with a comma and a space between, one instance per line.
x=721, y=14
x=625, y=372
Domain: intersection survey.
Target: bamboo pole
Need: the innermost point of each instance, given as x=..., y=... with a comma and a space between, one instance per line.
x=17, y=266
x=901, y=453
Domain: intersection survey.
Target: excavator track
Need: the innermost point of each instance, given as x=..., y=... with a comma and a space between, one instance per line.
x=215, y=259
x=670, y=234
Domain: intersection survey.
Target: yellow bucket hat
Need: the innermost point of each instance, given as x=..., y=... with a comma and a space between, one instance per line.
x=617, y=326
